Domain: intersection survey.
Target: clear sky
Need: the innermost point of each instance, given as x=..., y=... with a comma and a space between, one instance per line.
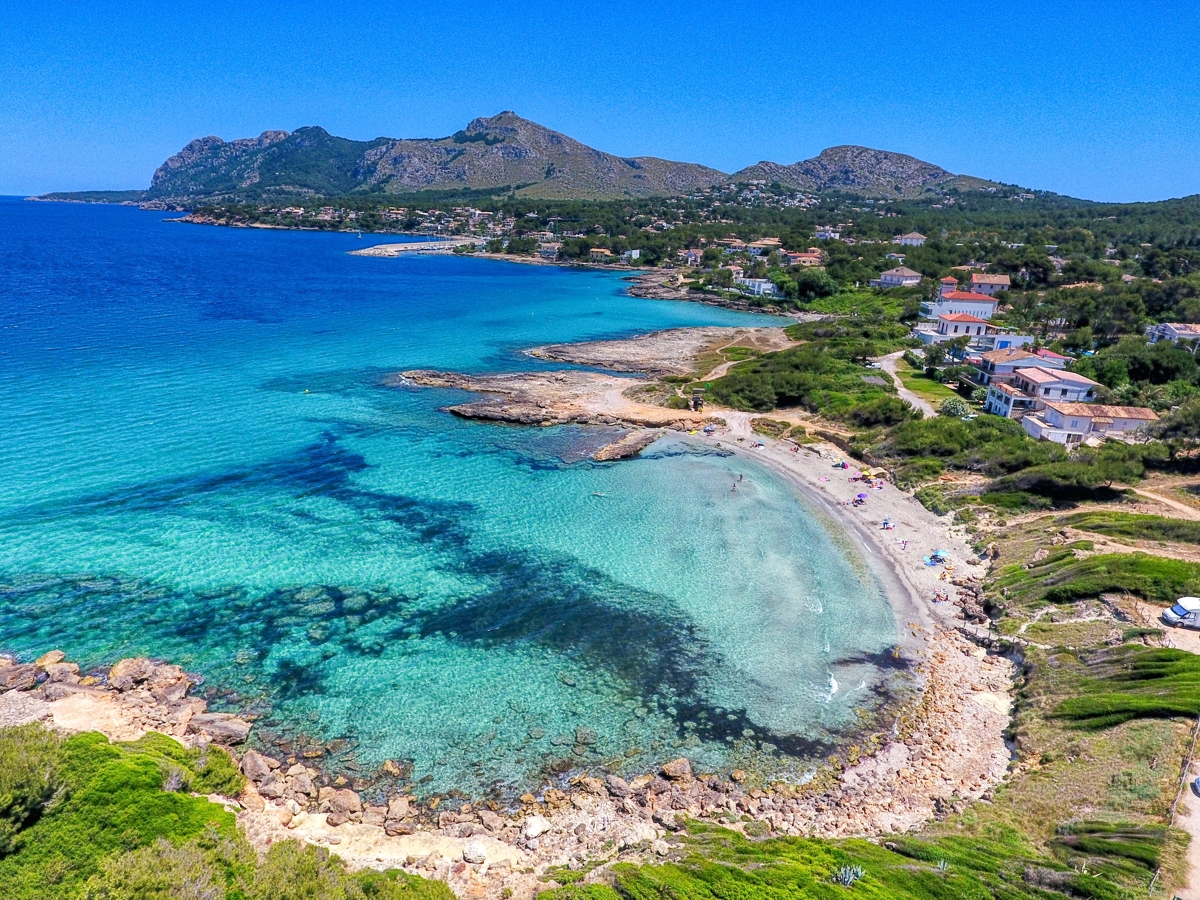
x=1095, y=99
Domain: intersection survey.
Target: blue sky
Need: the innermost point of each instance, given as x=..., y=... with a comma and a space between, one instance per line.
x=1093, y=99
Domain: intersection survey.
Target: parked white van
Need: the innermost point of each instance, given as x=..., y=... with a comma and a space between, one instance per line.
x=1185, y=613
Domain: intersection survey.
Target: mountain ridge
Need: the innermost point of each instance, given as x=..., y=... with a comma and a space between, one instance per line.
x=499, y=152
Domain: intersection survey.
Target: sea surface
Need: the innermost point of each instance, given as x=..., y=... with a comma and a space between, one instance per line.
x=200, y=461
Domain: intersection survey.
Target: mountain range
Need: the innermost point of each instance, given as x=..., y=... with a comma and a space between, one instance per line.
x=504, y=151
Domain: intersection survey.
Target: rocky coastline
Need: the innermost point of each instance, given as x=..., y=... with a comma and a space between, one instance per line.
x=944, y=750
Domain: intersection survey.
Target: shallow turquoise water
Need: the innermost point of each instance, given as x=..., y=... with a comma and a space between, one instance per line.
x=200, y=461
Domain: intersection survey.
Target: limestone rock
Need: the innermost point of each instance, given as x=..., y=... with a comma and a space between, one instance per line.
x=18, y=678
x=592, y=785
x=536, y=826
x=252, y=800
x=617, y=786
x=345, y=801
x=67, y=672
x=374, y=815
x=398, y=809
x=302, y=784
x=137, y=669
x=491, y=821
x=254, y=766
x=678, y=769
x=395, y=829
x=220, y=727
x=474, y=852
x=49, y=659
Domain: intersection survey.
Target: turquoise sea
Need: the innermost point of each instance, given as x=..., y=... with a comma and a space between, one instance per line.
x=200, y=461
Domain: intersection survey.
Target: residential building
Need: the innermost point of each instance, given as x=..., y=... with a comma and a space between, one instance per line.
x=912, y=239
x=898, y=257
x=764, y=246
x=1070, y=423
x=951, y=326
x=1032, y=387
x=810, y=257
x=826, y=233
x=692, y=257
x=1173, y=331
x=897, y=277
x=549, y=251
x=630, y=255
x=967, y=302
x=948, y=285
x=600, y=254
x=736, y=271
x=989, y=284
x=994, y=366
x=759, y=287
x=1002, y=340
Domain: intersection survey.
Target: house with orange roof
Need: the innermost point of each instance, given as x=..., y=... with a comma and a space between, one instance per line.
x=989, y=284
x=1000, y=365
x=1072, y=423
x=1032, y=387
x=972, y=304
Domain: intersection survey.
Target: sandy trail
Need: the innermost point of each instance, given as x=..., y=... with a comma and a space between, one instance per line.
x=1176, y=506
x=889, y=365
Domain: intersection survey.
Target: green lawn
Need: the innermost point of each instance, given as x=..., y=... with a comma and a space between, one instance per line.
x=924, y=387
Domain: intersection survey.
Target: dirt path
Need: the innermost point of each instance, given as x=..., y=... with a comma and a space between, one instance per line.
x=889, y=365
x=1177, y=506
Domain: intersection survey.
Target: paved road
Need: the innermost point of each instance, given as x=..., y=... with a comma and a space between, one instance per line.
x=889, y=366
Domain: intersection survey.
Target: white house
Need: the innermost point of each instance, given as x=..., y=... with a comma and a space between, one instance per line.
x=1031, y=388
x=1173, y=331
x=1070, y=423
x=1002, y=340
x=897, y=277
x=912, y=239
x=1000, y=365
x=953, y=325
x=980, y=305
x=631, y=255
x=759, y=287
x=549, y=251
x=826, y=233
x=989, y=284
x=691, y=257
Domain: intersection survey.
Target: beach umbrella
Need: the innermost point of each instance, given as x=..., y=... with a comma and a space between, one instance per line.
x=862, y=496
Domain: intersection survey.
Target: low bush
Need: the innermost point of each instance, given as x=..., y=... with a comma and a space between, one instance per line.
x=724, y=865
x=30, y=777
x=1135, y=682
x=1138, y=527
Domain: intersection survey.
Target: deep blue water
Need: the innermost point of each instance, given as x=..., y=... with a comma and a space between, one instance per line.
x=199, y=461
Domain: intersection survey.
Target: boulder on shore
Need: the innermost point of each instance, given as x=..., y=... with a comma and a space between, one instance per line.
x=18, y=678
x=224, y=728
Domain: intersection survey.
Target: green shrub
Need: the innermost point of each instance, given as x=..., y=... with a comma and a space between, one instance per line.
x=1138, y=527
x=723, y=865
x=158, y=872
x=1135, y=682
x=30, y=776
x=113, y=803
x=953, y=406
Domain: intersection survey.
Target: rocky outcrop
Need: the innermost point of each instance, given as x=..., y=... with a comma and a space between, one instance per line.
x=125, y=701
